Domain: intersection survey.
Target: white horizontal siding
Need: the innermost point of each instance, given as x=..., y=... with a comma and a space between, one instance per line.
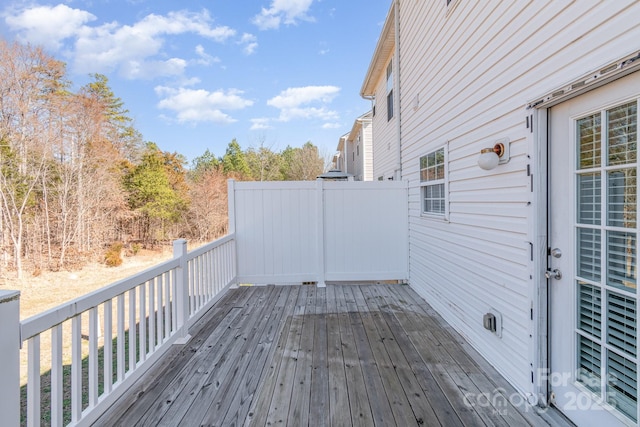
x=385, y=137
x=473, y=71
x=367, y=149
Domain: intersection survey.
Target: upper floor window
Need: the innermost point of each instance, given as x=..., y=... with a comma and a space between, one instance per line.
x=433, y=183
x=390, y=90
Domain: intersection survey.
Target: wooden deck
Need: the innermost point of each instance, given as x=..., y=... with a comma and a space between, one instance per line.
x=365, y=355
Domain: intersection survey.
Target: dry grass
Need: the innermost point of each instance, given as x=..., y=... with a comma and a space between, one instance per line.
x=38, y=294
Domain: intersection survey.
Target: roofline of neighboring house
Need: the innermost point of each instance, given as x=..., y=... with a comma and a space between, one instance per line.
x=357, y=123
x=384, y=49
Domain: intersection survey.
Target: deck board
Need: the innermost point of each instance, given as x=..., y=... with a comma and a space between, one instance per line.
x=345, y=355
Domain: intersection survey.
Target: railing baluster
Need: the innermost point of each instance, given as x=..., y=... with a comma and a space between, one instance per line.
x=108, y=347
x=56, y=376
x=159, y=309
x=152, y=315
x=132, y=330
x=76, y=368
x=142, y=324
x=174, y=299
x=192, y=293
x=157, y=317
x=167, y=306
x=33, y=375
x=93, y=357
x=120, y=339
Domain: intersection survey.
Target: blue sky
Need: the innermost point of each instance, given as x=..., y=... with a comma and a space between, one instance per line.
x=195, y=74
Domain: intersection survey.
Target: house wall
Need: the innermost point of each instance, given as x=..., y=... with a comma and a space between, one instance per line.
x=355, y=165
x=367, y=150
x=468, y=71
x=385, y=138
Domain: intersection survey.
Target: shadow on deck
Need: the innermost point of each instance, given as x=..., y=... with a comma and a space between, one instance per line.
x=342, y=355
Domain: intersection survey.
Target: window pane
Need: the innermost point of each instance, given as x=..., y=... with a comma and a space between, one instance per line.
x=622, y=198
x=589, y=250
x=434, y=201
x=622, y=385
x=589, y=137
x=589, y=199
x=621, y=260
x=589, y=308
x=622, y=125
x=589, y=360
x=621, y=323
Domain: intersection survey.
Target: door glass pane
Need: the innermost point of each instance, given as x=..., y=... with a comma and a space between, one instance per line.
x=622, y=134
x=607, y=328
x=589, y=141
x=621, y=260
x=589, y=308
x=621, y=323
x=589, y=198
x=589, y=361
x=589, y=254
x=621, y=186
x=622, y=385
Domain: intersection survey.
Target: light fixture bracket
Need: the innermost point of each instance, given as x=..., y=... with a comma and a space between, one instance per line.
x=502, y=149
x=493, y=156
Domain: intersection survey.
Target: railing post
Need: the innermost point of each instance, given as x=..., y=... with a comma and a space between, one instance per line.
x=10, y=358
x=182, y=290
x=321, y=239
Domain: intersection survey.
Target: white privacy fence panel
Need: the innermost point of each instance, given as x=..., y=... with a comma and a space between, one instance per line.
x=312, y=231
x=365, y=227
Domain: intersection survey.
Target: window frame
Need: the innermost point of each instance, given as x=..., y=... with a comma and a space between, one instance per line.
x=426, y=183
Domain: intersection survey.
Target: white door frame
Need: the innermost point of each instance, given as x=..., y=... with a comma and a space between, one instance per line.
x=537, y=117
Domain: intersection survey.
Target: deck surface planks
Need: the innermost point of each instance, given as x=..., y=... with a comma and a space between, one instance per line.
x=344, y=355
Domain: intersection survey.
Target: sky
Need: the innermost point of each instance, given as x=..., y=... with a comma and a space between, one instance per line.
x=195, y=74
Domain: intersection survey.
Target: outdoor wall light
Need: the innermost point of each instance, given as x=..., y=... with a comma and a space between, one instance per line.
x=491, y=157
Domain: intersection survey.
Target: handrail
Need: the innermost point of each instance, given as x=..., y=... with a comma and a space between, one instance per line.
x=46, y=320
x=159, y=304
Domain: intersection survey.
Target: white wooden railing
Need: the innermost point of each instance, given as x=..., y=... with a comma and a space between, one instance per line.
x=109, y=337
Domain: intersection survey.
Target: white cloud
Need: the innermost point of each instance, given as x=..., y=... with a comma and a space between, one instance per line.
x=298, y=103
x=136, y=51
x=150, y=69
x=204, y=57
x=331, y=126
x=287, y=12
x=261, y=124
x=199, y=105
x=294, y=97
x=250, y=43
x=48, y=26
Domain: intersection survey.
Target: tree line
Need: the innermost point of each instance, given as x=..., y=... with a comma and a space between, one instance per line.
x=77, y=177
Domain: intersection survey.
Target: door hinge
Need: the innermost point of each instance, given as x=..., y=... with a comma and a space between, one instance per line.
x=531, y=128
x=531, y=250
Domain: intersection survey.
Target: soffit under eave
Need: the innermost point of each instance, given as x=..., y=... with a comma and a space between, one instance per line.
x=384, y=49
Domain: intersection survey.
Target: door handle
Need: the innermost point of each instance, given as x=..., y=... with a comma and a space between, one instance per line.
x=553, y=274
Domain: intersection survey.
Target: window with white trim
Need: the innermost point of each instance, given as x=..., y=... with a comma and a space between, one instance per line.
x=433, y=186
